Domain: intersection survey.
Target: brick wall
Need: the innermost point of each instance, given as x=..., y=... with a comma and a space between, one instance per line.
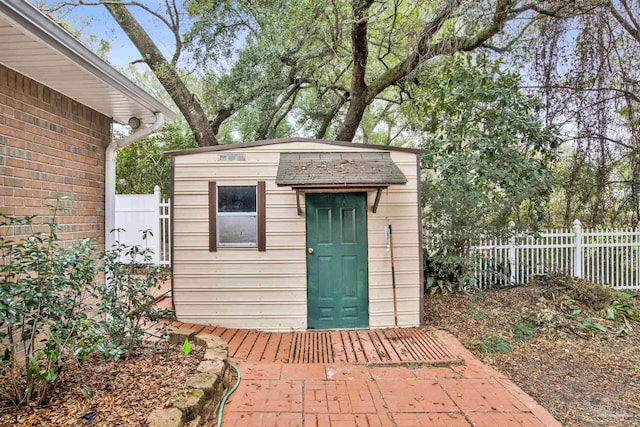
x=51, y=146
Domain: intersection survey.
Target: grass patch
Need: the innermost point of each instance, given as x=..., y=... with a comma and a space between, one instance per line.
x=525, y=329
x=475, y=315
x=494, y=344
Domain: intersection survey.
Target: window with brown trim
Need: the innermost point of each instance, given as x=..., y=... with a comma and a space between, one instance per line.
x=237, y=216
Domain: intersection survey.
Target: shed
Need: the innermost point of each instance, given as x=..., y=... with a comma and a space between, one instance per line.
x=290, y=234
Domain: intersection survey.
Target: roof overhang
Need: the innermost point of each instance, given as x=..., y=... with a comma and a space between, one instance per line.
x=338, y=169
x=35, y=46
x=342, y=171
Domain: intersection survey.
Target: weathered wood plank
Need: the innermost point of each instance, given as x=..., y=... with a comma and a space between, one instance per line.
x=246, y=346
x=259, y=347
x=284, y=349
x=357, y=347
x=270, y=352
x=236, y=341
x=370, y=353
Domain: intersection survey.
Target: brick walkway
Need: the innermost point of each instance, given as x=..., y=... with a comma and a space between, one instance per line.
x=281, y=389
x=340, y=394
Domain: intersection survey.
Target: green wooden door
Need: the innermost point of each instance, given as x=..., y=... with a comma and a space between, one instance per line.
x=337, y=272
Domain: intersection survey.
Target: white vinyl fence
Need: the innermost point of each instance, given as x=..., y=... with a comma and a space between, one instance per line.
x=138, y=212
x=610, y=257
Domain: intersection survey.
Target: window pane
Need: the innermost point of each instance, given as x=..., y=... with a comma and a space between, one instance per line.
x=237, y=199
x=235, y=229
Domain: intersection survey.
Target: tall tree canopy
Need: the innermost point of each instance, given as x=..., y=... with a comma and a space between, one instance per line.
x=243, y=70
x=489, y=156
x=585, y=67
x=312, y=66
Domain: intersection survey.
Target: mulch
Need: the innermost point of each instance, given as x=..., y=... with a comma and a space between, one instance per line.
x=122, y=392
x=582, y=379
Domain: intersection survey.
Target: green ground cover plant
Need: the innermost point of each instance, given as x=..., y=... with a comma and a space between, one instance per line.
x=60, y=302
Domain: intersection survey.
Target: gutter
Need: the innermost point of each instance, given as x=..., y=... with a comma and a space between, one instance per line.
x=110, y=175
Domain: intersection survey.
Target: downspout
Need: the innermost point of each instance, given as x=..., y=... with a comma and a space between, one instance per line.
x=110, y=175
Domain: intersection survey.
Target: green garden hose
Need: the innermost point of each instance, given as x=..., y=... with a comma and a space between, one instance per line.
x=226, y=396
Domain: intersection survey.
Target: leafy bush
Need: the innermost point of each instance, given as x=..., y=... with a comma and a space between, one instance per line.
x=125, y=301
x=43, y=293
x=488, y=161
x=446, y=269
x=434, y=286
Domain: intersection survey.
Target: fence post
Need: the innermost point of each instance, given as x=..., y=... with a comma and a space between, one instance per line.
x=577, y=250
x=512, y=253
x=158, y=224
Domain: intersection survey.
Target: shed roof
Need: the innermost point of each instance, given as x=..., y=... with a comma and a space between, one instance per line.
x=290, y=140
x=335, y=168
x=37, y=47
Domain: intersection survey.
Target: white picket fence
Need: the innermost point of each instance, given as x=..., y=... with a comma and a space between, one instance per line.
x=138, y=212
x=607, y=256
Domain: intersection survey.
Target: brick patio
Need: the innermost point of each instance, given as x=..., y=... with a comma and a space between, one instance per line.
x=280, y=389
x=346, y=395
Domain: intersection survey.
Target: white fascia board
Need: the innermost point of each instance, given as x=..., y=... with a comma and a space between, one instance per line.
x=53, y=35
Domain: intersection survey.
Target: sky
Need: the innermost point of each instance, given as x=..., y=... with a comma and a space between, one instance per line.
x=96, y=20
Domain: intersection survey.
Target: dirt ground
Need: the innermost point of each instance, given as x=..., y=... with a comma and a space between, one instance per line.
x=536, y=335
x=123, y=393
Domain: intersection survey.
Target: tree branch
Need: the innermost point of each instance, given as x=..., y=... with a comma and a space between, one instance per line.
x=628, y=26
x=165, y=72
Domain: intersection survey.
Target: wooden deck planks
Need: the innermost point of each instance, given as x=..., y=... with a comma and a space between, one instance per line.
x=365, y=346
x=357, y=347
x=337, y=347
x=259, y=347
x=348, y=347
x=370, y=353
x=236, y=340
x=284, y=350
x=271, y=347
x=246, y=345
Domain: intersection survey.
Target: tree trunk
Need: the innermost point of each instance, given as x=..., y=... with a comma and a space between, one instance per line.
x=352, y=119
x=166, y=74
x=360, y=52
x=362, y=94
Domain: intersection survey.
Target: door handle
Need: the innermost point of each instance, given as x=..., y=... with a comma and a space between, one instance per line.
x=310, y=250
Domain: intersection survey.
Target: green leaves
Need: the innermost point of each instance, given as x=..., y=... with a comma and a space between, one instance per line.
x=186, y=347
x=43, y=285
x=592, y=325
x=44, y=292
x=489, y=155
x=141, y=165
x=125, y=301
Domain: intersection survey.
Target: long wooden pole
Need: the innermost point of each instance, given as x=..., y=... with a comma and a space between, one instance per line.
x=393, y=277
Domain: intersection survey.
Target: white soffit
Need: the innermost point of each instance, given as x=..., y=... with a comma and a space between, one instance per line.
x=34, y=45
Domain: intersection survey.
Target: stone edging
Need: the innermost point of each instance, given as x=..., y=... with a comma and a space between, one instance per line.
x=196, y=405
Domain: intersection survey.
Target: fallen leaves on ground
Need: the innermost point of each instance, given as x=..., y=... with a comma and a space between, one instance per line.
x=122, y=392
x=583, y=378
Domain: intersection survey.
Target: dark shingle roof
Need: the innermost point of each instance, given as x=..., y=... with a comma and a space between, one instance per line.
x=333, y=168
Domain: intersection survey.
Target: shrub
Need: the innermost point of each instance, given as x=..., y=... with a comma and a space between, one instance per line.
x=43, y=290
x=593, y=295
x=125, y=301
x=44, y=305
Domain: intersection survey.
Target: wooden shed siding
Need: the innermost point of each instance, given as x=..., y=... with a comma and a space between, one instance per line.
x=239, y=287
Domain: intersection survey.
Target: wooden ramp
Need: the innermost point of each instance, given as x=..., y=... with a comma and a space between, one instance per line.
x=363, y=346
